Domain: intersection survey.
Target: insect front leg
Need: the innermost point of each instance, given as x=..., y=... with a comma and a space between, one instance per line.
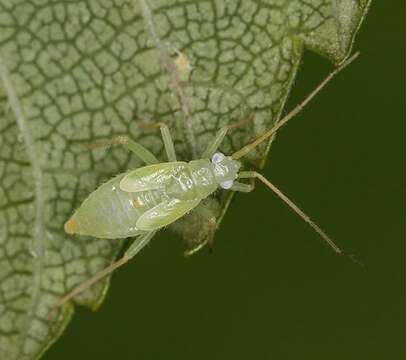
x=166, y=137
x=220, y=135
x=137, y=149
x=133, y=250
x=241, y=187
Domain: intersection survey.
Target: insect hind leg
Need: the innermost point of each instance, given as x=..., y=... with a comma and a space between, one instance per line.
x=133, y=250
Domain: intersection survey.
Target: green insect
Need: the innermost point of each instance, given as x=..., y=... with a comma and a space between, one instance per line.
x=139, y=202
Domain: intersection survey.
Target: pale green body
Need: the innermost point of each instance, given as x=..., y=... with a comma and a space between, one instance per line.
x=149, y=197
x=142, y=201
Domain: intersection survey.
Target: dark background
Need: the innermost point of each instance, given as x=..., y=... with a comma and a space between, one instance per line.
x=271, y=289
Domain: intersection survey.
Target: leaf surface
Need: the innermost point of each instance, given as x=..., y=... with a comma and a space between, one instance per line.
x=74, y=72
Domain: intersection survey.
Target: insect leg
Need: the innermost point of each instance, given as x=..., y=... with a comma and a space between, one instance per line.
x=293, y=206
x=134, y=248
x=194, y=250
x=240, y=187
x=220, y=135
x=166, y=137
x=140, y=151
x=212, y=225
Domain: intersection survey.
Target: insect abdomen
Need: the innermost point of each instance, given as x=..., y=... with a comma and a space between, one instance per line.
x=111, y=213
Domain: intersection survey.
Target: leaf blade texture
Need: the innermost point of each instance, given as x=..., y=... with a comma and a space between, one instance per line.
x=77, y=72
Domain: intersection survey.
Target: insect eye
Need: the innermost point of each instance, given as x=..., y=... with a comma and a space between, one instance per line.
x=217, y=158
x=227, y=184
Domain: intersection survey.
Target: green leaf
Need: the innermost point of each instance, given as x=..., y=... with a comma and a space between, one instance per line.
x=78, y=71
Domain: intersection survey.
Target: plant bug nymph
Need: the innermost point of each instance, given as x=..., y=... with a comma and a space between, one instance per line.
x=140, y=202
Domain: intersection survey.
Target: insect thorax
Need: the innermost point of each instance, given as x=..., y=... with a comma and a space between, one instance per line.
x=203, y=177
x=190, y=181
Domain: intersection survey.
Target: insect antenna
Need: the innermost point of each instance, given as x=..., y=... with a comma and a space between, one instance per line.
x=247, y=148
x=294, y=207
x=253, y=174
x=302, y=214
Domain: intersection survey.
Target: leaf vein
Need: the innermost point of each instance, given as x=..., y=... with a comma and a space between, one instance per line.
x=39, y=200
